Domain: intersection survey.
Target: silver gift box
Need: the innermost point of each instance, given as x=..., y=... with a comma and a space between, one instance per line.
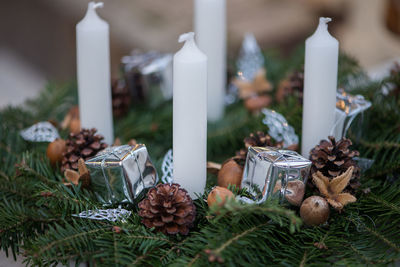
x=149, y=76
x=274, y=173
x=120, y=174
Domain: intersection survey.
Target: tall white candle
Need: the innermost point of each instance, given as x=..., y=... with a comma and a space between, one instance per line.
x=190, y=116
x=320, y=84
x=93, y=65
x=210, y=28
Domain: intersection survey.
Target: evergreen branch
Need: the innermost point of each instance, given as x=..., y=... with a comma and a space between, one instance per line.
x=383, y=202
x=235, y=238
x=65, y=239
x=384, y=239
x=4, y=188
x=41, y=177
x=380, y=145
x=370, y=260
x=195, y=258
x=304, y=259
x=172, y=249
x=149, y=238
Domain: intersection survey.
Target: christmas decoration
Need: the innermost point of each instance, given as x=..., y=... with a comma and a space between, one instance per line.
x=38, y=213
x=255, y=103
x=294, y=191
x=40, y=132
x=75, y=126
x=292, y=85
x=279, y=129
x=347, y=109
x=218, y=196
x=120, y=174
x=167, y=168
x=259, y=139
x=251, y=59
x=149, y=76
x=251, y=83
x=72, y=117
x=112, y=215
x=55, y=151
x=266, y=167
x=231, y=172
x=332, y=189
x=74, y=177
x=169, y=209
x=314, y=211
x=258, y=86
x=85, y=144
x=121, y=98
x=333, y=158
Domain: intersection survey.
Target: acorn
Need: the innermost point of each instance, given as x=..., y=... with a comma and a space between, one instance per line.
x=231, y=172
x=314, y=210
x=72, y=114
x=295, y=190
x=219, y=195
x=75, y=126
x=55, y=151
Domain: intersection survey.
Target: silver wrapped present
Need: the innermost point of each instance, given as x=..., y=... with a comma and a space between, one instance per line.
x=347, y=108
x=149, y=76
x=273, y=173
x=120, y=174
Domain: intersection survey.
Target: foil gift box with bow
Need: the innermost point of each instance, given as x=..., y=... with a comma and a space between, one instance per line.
x=275, y=173
x=120, y=174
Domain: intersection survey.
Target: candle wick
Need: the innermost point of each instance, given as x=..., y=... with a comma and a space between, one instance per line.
x=186, y=37
x=324, y=20
x=96, y=5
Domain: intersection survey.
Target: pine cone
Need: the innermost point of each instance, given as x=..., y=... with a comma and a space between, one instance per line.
x=85, y=144
x=121, y=98
x=168, y=208
x=333, y=158
x=259, y=139
x=292, y=85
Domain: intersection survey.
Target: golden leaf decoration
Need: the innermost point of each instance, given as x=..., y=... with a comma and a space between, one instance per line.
x=332, y=190
x=255, y=87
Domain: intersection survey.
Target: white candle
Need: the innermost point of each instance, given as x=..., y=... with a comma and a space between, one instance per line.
x=320, y=84
x=190, y=116
x=93, y=65
x=210, y=28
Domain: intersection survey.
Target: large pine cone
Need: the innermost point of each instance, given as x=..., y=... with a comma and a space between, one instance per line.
x=168, y=208
x=333, y=158
x=121, y=98
x=259, y=139
x=84, y=144
x=292, y=85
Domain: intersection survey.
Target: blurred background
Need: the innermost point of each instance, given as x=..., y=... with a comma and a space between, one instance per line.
x=37, y=42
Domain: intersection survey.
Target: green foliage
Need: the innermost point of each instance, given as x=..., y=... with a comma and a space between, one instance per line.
x=36, y=208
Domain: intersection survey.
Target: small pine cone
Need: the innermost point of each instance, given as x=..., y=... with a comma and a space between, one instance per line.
x=333, y=158
x=169, y=209
x=259, y=139
x=291, y=85
x=84, y=144
x=121, y=98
